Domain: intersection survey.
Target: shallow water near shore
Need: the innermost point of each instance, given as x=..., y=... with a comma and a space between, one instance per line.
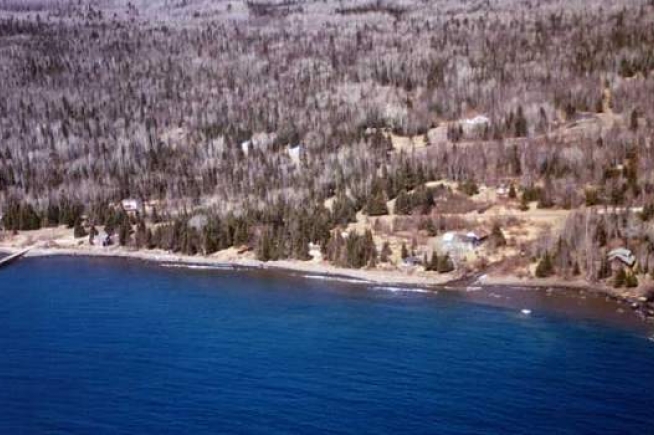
x=112, y=346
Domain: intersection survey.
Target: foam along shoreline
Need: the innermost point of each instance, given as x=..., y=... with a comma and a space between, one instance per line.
x=307, y=270
x=377, y=280
x=323, y=271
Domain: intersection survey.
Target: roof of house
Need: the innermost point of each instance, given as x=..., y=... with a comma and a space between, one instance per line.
x=449, y=237
x=130, y=203
x=622, y=254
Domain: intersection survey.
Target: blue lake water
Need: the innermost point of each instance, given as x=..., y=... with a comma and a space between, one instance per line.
x=113, y=347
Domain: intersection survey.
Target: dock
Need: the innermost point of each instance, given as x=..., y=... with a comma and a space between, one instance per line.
x=13, y=257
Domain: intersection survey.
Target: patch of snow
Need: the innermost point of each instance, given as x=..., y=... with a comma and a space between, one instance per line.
x=477, y=120
x=294, y=153
x=245, y=146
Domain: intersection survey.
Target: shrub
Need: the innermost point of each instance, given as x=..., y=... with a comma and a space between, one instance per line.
x=469, y=187
x=78, y=229
x=620, y=279
x=445, y=264
x=631, y=281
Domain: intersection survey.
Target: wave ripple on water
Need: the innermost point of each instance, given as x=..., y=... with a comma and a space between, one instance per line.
x=111, y=347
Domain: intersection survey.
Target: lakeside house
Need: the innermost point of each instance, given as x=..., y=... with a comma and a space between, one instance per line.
x=456, y=241
x=621, y=257
x=460, y=245
x=132, y=205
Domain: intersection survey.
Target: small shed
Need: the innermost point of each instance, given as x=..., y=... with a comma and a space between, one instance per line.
x=411, y=261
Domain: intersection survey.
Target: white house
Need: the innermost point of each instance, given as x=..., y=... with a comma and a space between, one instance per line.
x=131, y=205
x=459, y=245
x=622, y=255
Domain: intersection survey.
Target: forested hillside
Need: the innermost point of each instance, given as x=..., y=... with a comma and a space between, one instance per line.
x=259, y=114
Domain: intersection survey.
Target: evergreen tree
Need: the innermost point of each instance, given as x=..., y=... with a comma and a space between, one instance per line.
x=265, y=250
x=52, y=215
x=402, y=203
x=620, y=278
x=423, y=199
x=433, y=263
x=386, y=252
x=211, y=233
x=520, y=125
x=376, y=205
x=469, y=187
x=404, y=253
x=631, y=281
x=343, y=210
x=149, y=239
x=78, y=229
x=600, y=234
x=648, y=212
x=141, y=234
x=545, y=267
x=369, y=249
x=633, y=120
x=497, y=236
x=445, y=264
x=124, y=232
x=241, y=233
x=92, y=233
x=604, y=270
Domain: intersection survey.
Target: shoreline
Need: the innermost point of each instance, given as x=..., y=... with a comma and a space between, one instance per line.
x=390, y=277
x=321, y=269
x=315, y=270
